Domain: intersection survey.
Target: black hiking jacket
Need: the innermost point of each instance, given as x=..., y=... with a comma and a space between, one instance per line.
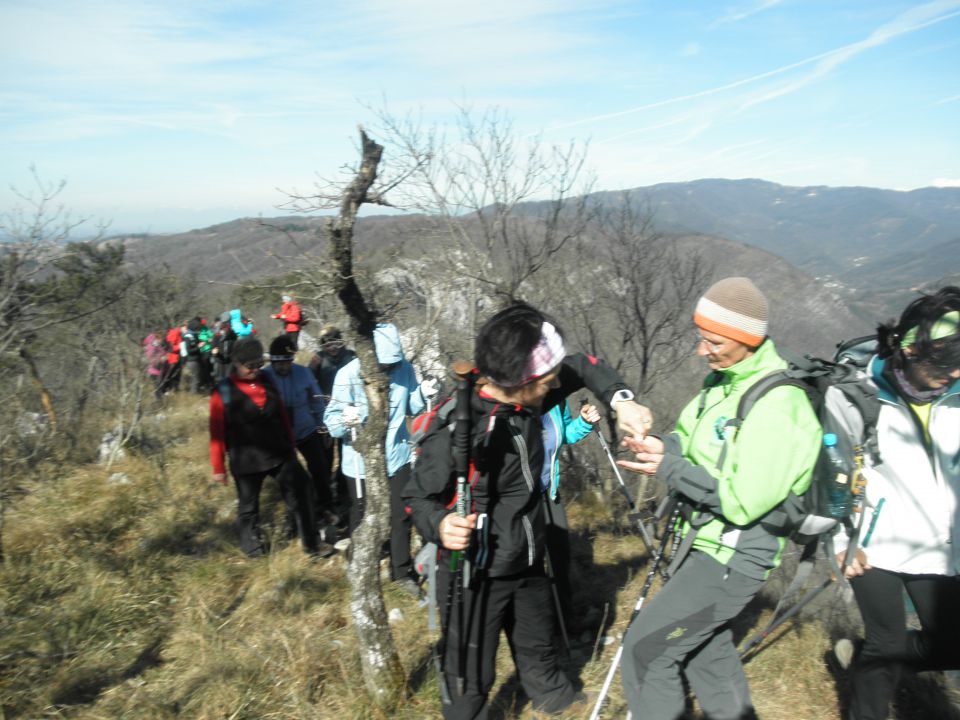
x=506, y=460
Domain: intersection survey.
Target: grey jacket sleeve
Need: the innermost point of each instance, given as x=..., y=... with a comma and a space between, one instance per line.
x=691, y=481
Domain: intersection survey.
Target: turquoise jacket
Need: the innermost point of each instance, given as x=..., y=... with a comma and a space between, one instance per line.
x=773, y=453
x=559, y=430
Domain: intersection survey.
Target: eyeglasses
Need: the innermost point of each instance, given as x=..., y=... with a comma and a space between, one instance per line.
x=711, y=346
x=253, y=364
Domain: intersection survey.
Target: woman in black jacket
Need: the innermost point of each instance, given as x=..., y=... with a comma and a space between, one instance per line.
x=522, y=370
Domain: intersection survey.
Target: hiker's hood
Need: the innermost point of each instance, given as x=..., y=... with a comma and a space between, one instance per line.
x=386, y=339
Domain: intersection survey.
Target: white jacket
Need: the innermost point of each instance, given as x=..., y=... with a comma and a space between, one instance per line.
x=916, y=529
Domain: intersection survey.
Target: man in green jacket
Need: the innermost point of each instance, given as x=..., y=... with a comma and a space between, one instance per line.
x=730, y=480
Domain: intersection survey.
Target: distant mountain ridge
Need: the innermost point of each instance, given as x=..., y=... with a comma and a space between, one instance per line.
x=870, y=247
x=851, y=234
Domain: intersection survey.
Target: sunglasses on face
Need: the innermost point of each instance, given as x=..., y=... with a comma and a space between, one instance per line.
x=253, y=364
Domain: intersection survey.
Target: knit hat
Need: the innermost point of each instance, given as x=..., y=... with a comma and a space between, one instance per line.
x=247, y=350
x=281, y=349
x=735, y=309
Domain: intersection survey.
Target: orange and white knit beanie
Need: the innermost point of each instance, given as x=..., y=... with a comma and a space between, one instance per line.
x=735, y=309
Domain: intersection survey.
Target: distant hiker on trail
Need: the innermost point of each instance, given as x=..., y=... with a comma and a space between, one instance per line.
x=728, y=482
x=155, y=356
x=560, y=429
x=347, y=409
x=171, y=370
x=249, y=423
x=522, y=371
x=240, y=325
x=912, y=540
x=325, y=364
x=191, y=351
x=301, y=397
x=292, y=318
x=224, y=338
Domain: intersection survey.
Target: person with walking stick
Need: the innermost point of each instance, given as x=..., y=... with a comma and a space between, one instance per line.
x=522, y=371
x=728, y=479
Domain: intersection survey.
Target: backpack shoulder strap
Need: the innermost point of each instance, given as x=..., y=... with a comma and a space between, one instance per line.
x=775, y=379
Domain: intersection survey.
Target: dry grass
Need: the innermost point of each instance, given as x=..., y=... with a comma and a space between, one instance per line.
x=131, y=600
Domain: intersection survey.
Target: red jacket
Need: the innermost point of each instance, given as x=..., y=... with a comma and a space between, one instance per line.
x=174, y=337
x=253, y=389
x=291, y=315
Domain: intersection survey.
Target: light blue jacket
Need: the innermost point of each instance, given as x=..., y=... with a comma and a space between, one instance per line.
x=404, y=396
x=302, y=397
x=559, y=429
x=237, y=324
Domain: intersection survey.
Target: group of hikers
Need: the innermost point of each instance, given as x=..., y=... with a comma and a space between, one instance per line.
x=485, y=492
x=203, y=350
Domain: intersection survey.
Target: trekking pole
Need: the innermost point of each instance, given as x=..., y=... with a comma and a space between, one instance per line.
x=356, y=463
x=556, y=600
x=458, y=559
x=651, y=574
x=634, y=514
x=779, y=620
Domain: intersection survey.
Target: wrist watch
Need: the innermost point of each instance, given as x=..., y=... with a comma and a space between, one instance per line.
x=619, y=396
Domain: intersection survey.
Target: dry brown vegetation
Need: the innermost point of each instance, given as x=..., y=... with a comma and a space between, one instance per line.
x=128, y=598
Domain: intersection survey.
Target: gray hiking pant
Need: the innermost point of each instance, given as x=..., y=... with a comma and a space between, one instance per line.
x=684, y=631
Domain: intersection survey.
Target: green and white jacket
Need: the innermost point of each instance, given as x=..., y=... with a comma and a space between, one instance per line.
x=773, y=453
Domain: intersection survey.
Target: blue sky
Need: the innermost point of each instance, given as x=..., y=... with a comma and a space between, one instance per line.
x=174, y=114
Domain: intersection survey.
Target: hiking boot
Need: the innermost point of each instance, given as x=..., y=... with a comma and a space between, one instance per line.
x=407, y=585
x=583, y=703
x=322, y=550
x=342, y=545
x=843, y=652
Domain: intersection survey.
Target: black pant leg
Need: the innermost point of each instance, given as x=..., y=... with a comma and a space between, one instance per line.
x=357, y=501
x=318, y=465
x=472, y=619
x=937, y=600
x=879, y=595
x=529, y=627
x=400, y=525
x=248, y=511
x=294, y=481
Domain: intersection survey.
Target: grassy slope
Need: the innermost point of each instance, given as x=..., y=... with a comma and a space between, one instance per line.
x=132, y=601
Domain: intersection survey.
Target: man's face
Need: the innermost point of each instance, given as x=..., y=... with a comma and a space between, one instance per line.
x=282, y=367
x=719, y=351
x=332, y=347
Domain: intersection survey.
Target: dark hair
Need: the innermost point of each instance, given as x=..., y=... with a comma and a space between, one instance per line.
x=506, y=340
x=246, y=350
x=922, y=314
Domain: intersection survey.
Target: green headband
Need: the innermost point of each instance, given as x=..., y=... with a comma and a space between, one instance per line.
x=946, y=325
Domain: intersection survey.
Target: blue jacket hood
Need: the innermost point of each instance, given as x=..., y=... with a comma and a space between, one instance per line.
x=386, y=340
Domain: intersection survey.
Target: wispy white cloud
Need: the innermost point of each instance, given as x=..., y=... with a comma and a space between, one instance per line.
x=946, y=100
x=691, y=49
x=910, y=21
x=945, y=182
x=742, y=13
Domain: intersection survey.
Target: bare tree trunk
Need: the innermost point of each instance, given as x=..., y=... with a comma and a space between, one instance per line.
x=382, y=672
x=45, y=398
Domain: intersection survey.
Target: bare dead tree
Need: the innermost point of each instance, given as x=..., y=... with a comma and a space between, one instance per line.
x=382, y=672
x=503, y=207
